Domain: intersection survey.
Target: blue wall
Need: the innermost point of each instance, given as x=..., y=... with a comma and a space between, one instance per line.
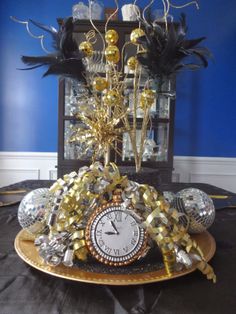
x=206, y=100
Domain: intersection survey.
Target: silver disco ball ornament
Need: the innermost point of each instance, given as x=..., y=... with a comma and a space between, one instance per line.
x=31, y=212
x=198, y=207
x=169, y=196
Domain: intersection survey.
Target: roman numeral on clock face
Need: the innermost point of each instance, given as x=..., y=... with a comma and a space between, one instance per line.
x=102, y=223
x=133, y=241
x=126, y=249
x=109, y=216
x=116, y=252
x=107, y=249
x=101, y=242
x=118, y=216
x=135, y=233
x=99, y=233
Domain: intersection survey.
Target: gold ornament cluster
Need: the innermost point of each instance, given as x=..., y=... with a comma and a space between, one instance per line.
x=86, y=48
x=112, y=52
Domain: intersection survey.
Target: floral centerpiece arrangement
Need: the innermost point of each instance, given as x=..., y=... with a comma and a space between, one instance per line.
x=96, y=213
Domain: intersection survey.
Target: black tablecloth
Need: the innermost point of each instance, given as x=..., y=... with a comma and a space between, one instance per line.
x=26, y=290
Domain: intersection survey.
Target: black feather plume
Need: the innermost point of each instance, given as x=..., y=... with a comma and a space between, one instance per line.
x=41, y=60
x=52, y=31
x=66, y=60
x=72, y=68
x=166, y=50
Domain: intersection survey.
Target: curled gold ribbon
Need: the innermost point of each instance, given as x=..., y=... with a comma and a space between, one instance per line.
x=163, y=225
x=77, y=195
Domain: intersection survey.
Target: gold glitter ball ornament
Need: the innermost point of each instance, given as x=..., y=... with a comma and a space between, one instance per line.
x=132, y=63
x=100, y=83
x=147, y=98
x=112, y=97
x=111, y=37
x=112, y=54
x=87, y=48
x=135, y=34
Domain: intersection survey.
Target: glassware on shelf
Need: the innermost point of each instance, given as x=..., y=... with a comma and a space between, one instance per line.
x=162, y=142
x=127, y=152
x=155, y=146
x=163, y=107
x=80, y=11
x=149, y=149
x=130, y=12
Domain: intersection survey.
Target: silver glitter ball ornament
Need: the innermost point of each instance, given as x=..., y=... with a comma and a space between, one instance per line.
x=198, y=207
x=169, y=196
x=32, y=209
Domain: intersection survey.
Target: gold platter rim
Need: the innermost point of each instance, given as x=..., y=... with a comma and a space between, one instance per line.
x=26, y=250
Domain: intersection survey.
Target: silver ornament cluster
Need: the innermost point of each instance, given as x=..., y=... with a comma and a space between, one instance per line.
x=55, y=250
x=32, y=209
x=182, y=258
x=197, y=206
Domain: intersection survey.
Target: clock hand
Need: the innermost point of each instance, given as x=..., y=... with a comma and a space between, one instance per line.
x=113, y=225
x=109, y=232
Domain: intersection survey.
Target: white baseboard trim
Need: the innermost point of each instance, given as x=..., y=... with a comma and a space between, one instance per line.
x=19, y=166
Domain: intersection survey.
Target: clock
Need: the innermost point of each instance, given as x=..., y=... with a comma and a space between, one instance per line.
x=113, y=234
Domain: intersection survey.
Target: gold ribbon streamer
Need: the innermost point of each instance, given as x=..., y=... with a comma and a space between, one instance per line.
x=163, y=225
x=77, y=194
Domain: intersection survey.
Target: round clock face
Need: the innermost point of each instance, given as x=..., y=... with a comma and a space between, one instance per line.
x=114, y=236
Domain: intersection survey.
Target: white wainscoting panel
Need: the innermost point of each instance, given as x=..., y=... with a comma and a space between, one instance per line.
x=217, y=171
x=19, y=166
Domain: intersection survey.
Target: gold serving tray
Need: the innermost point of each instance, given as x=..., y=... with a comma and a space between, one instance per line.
x=27, y=251
x=8, y=198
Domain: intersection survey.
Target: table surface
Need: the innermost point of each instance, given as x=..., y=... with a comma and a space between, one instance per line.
x=26, y=290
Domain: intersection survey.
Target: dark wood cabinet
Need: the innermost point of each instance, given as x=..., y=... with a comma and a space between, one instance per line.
x=160, y=130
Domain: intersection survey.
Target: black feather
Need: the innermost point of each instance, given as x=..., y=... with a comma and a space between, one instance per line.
x=31, y=68
x=67, y=43
x=188, y=44
x=43, y=60
x=52, y=31
x=66, y=60
x=165, y=50
x=72, y=68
